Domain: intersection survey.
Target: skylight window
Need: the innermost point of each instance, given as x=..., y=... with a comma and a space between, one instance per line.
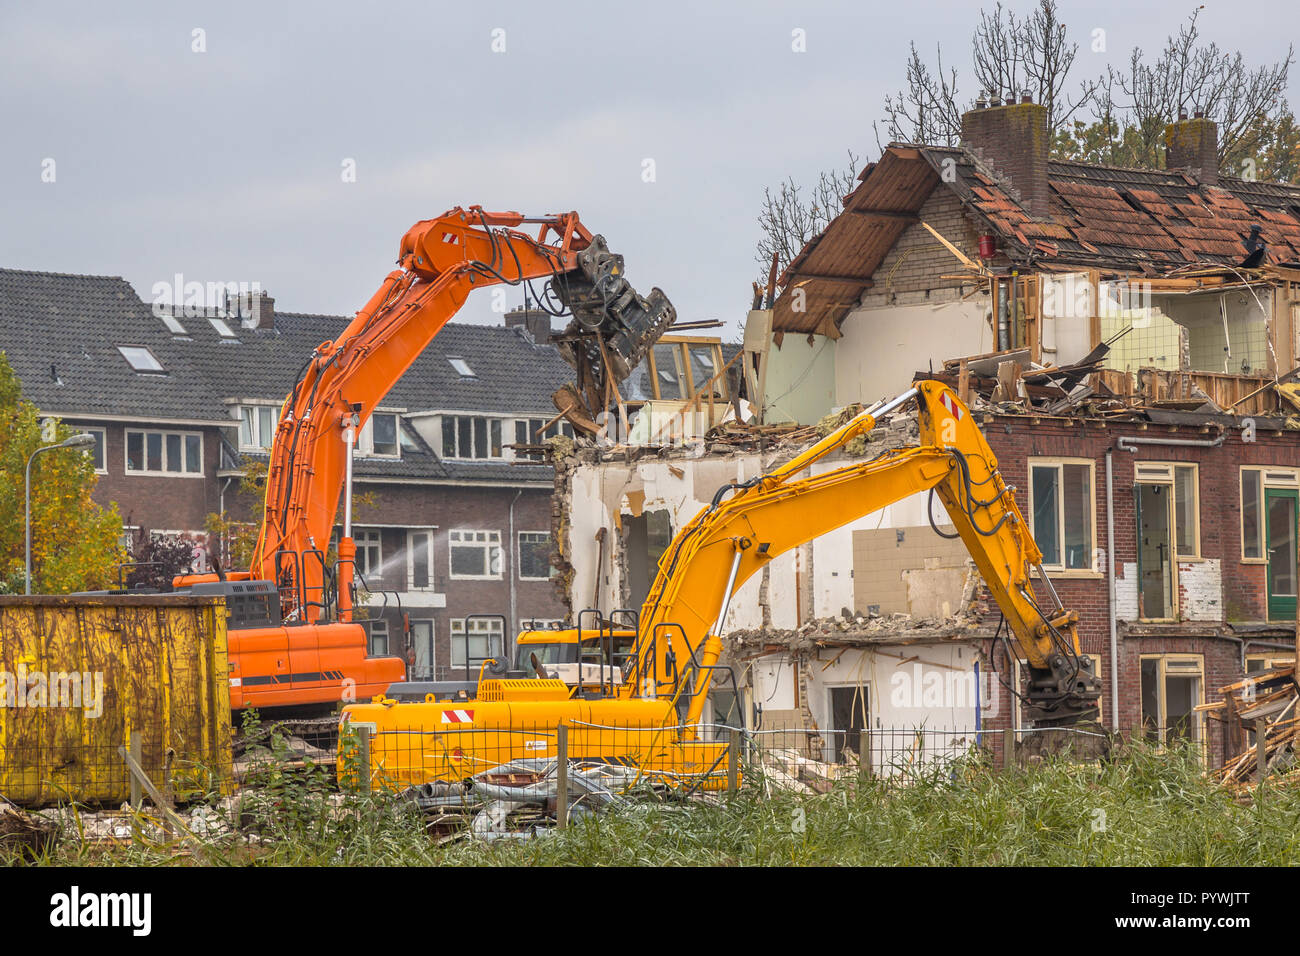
x=222, y=329
x=461, y=366
x=140, y=358
x=173, y=324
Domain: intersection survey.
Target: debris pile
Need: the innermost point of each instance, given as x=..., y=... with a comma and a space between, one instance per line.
x=1262, y=706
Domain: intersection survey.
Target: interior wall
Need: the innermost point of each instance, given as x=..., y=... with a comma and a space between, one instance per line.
x=800, y=384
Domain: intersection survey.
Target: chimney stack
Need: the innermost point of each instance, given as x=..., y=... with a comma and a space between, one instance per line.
x=537, y=322
x=1012, y=141
x=1192, y=147
x=255, y=310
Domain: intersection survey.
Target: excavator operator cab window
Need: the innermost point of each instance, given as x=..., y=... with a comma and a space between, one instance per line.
x=546, y=654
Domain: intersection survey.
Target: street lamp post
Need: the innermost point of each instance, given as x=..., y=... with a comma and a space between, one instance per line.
x=79, y=440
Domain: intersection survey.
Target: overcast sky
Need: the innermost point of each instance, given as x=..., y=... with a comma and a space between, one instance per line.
x=226, y=165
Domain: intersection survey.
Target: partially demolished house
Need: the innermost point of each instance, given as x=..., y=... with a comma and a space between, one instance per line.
x=1127, y=339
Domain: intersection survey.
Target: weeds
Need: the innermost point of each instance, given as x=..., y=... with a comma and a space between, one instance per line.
x=1141, y=808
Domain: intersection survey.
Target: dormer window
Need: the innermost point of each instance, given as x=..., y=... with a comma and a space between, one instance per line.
x=379, y=436
x=141, y=359
x=256, y=426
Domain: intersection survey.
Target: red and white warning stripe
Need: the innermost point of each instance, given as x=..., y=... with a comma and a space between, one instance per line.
x=458, y=716
x=450, y=238
x=950, y=403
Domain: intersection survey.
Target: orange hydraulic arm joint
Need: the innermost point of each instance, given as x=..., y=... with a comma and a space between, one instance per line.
x=752, y=522
x=441, y=261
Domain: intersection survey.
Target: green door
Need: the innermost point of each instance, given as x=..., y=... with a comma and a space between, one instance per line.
x=1280, y=507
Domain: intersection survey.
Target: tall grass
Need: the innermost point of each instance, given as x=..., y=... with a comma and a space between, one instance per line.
x=1143, y=808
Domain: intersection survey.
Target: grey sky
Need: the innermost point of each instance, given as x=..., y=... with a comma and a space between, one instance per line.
x=225, y=165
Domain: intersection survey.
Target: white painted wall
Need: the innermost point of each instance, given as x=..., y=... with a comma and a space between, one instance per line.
x=881, y=349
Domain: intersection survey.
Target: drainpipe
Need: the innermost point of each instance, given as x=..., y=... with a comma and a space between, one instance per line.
x=1110, y=584
x=510, y=565
x=1130, y=444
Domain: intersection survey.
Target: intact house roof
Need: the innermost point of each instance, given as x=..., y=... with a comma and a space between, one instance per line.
x=1145, y=221
x=61, y=334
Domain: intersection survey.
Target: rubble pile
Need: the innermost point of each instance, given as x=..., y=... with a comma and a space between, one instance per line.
x=1264, y=705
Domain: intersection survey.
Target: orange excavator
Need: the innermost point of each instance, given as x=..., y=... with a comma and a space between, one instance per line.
x=292, y=638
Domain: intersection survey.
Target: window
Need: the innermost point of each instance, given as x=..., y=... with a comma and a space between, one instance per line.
x=466, y=436
x=529, y=431
x=419, y=559
x=98, y=454
x=422, y=642
x=475, y=554
x=173, y=324
x=1185, y=483
x=535, y=555
x=378, y=633
x=462, y=367
x=486, y=639
x=370, y=552
x=222, y=328
x=1061, y=513
x=378, y=436
x=164, y=453
x=1172, y=687
x=256, y=426
x=1254, y=481
x=141, y=359
x=683, y=366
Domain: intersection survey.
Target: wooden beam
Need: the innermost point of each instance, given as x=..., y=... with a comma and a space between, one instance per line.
x=823, y=277
x=899, y=214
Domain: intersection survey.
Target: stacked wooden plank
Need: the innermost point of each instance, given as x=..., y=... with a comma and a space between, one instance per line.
x=1265, y=704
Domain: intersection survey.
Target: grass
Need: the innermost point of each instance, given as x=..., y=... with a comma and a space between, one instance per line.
x=1143, y=808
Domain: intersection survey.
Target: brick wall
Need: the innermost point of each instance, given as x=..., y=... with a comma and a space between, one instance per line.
x=909, y=273
x=1241, y=593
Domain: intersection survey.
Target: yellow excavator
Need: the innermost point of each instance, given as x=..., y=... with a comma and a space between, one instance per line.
x=650, y=716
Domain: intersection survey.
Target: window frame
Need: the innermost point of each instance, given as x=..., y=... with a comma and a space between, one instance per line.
x=1046, y=461
x=101, y=444
x=488, y=421
x=429, y=556
x=160, y=370
x=361, y=539
x=365, y=446
x=1197, y=718
x=377, y=622
x=519, y=564
x=492, y=628
x=493, y=540
x=164, y=473
x=1166, y=473
x=260, y=442
x=1283, y=477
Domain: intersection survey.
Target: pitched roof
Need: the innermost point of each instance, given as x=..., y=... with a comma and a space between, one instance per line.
x=61, y=334
x=1110, y=217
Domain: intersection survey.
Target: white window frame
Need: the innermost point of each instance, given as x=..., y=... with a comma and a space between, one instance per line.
x=1061, y=570
x=362, y=538
x=260, y=441
x=460, y=453
x=491, y=628
x=532, y=434
x=374, y=623
x=103, y=443
x=167, y=473
x=366, y=437
x=1270, y=476
x=1165, y=473
x=519, y=544
x=456, y=538
x=160, y=370
x=462, y=367
x=410, y=559
x=433, y=642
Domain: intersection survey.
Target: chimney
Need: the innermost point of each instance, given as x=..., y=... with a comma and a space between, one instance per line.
x=256, y=310
x=1192, y=147
x=1012, y=141
x=535, y=321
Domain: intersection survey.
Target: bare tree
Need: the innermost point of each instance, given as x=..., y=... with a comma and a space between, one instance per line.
x=789, y=217
x=1193, y=76
x=927, y=111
